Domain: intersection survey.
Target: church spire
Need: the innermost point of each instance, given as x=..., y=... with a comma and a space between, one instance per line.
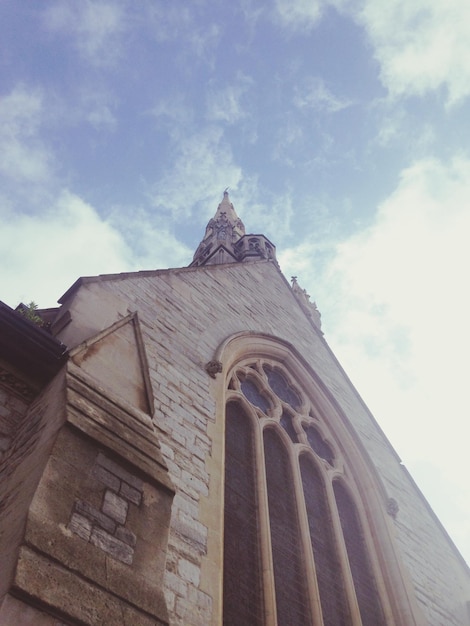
x=225, y=240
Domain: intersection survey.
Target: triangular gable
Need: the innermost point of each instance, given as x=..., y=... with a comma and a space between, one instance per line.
x=116, y=358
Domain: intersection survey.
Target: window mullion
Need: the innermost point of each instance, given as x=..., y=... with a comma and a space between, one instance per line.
x=343, y=559
x=312, y=584
x=269, y=597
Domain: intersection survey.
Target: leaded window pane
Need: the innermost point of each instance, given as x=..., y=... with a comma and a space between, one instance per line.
x=281, y=387
x=242, y=571
x=319, y=445
x=364, y=583
x=253, y=394
x=286, y=423
x=289, y=576
x=327, y=566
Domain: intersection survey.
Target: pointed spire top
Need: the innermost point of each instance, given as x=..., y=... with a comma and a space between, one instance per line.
x=224, y=239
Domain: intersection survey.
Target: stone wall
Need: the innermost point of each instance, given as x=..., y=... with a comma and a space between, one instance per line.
x=185, y=315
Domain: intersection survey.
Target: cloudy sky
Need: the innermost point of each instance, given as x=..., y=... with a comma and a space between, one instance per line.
x=341, y=128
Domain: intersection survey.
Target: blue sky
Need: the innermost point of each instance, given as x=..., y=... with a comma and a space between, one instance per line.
x=342, y=130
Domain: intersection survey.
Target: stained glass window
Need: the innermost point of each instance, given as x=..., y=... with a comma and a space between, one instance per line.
x=364, y=583
x=328, y=570
x=292, y=487
x=281, y=388
x=319, y=445
x=286, y=423
x=253, y=395
x=289, y=577
x=242, y=580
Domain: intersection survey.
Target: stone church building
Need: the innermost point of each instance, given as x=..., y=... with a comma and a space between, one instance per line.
x=182, y=447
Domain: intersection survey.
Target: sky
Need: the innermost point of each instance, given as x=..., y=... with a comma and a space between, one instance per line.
x=340, y=127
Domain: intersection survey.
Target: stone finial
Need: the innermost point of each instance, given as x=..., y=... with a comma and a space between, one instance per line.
x=303, y=298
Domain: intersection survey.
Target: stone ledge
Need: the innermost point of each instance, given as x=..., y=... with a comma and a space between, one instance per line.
x=58, y=589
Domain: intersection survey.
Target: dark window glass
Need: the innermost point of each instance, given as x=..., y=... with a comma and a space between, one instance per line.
x=289, y=577
x=242, y=571
x=253, y=395
x=319, y=445
x=328, y=570
x=286, y=423
x=281, y=388
x=364, y=583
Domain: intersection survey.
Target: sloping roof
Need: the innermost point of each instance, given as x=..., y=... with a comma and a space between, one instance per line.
x=29, y=348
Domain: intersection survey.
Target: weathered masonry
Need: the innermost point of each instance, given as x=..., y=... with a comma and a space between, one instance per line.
x=181, y=447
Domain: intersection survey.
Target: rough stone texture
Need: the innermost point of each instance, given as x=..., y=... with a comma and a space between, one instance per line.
x=81, y=526
x=21, y=468
x=12, y=411
x=130, y=494
x=113, y=546
x=115, y=507
x=52, y=584
x=14, y=612
x=95, y=516
x=185, y=316
x=99, y=490
x=85, y=535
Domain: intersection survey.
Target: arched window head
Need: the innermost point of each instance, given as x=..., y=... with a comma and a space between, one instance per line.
x=295, y=551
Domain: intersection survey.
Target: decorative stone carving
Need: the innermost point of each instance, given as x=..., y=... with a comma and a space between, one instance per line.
x=213, y=368
x=225, y=240
x=392, y=507
x=303, y=298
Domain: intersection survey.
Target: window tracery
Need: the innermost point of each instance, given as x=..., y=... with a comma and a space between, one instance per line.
x=300, y=510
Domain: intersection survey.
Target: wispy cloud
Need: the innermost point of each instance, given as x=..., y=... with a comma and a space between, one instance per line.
x=225, y=103
x=298, y=14
x=23, y=155
x=180, y=22
x=97, y=107
x=314, y=94
x=203, y=167
x=96, y=27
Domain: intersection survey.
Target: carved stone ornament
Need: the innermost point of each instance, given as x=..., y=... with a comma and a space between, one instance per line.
x=392, y=507
x=213, y=368
x=303, y=299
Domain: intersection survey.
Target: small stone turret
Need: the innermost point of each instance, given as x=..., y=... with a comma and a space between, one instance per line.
x=225, y=240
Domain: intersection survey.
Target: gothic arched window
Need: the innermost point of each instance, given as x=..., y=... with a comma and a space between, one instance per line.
x=295, y=546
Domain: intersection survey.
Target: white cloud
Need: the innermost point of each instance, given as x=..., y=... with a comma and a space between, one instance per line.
x=314, y=94
x=224, y=104
x=395, y=309
x=203, y=168
x=23, y=155
x=173, y=112
x=298, y=14
x=96, y=25
x=287, y=137
x=420, y=45
x=42, y=255
x=180, y=21
x=398, y=320
x=97, y=107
